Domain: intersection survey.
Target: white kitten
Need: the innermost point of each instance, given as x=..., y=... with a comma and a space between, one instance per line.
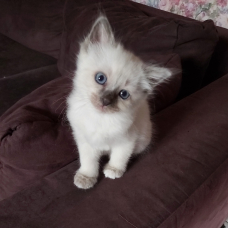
x=107, y=108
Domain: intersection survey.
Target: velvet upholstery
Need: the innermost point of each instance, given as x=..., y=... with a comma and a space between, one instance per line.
x=16, y=58
x=21, y=71
x=35, y=24
x=19, y=85
x=179, y=183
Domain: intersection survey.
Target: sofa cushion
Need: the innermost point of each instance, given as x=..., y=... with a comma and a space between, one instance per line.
x=34, y=131
x=149, y=36
x=35, y=136
x=181, y=182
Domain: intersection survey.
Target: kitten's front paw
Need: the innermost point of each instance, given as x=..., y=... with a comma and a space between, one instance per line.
x=112, y=172
x=84, y=182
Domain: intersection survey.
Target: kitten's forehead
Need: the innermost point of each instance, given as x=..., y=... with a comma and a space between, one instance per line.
x=122, y=67
x=115, y=57
x=117, y=81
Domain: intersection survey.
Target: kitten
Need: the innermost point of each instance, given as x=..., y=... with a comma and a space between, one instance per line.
x=108, y=109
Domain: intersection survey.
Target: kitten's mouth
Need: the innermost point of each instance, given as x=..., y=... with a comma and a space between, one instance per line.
x=106, y=108
x=99, y=106
x=103, y=108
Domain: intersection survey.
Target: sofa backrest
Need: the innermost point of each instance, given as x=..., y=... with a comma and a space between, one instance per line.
x=218, y=65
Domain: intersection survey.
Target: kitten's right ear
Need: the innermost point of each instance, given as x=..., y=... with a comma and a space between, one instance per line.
x=155, y=75
x=101, y=32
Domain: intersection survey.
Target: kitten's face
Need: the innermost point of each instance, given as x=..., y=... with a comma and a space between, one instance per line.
x=112, y=78
x=109, y=77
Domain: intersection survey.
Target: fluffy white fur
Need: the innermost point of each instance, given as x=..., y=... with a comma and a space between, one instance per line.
x=122, y=128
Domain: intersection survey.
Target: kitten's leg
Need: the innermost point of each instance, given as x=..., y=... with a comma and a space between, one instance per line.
x=86, y=175
x=119, y=158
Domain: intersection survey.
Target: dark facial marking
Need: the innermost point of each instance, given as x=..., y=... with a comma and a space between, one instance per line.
x=109, y=98
x=107, y=101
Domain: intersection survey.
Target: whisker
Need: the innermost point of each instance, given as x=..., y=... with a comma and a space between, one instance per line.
x=59, y=106
x=59, y=99
x=64, y=108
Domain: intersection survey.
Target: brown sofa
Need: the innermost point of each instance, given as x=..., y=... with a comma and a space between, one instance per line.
x=181, y=182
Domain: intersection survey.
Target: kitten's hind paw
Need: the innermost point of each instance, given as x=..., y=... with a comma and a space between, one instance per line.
x=84, y=182
x=112, y=172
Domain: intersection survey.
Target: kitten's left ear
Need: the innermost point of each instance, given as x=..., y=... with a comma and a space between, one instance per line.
x=101, y=32
x=155, y=75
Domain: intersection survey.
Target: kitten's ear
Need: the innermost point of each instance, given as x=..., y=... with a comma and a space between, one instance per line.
x=101, y=32
x=155, y=75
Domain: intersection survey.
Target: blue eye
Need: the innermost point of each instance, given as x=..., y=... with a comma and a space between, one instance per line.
x=124, y=94
x=100, y=78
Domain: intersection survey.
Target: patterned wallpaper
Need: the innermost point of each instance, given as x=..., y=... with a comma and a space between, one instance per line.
x=201, y=10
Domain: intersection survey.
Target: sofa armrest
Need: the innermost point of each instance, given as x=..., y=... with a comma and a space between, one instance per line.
x=218, y=66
